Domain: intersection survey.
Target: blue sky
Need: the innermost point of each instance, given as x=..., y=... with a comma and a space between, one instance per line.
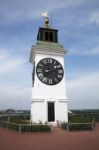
x=78, y=25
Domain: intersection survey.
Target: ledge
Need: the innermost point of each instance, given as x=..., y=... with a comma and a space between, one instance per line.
x=37, y=100
x=63, y=100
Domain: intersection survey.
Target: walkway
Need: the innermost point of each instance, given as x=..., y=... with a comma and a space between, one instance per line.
x=58, y=140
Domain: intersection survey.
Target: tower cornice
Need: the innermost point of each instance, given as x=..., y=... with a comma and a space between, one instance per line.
x=47, y=48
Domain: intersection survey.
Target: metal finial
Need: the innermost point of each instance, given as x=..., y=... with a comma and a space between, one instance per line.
x=45, y=14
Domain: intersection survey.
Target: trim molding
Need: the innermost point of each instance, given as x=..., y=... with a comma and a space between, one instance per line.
x=38, y=100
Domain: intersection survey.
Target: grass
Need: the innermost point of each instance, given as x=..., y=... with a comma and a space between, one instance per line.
x=79, y=119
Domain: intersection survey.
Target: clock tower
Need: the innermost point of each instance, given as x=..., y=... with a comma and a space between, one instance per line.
x=49, y=100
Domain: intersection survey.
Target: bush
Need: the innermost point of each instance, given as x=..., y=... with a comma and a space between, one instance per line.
x=77, y=126
x=36, y=128
x=21, y=123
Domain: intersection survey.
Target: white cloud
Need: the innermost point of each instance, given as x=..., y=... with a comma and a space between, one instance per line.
x=15, y=97
x=86, y=52
x=84, y=92
x=57, y=4
x=94, y=17
x=90, y=18
x=95, y=51
x=2, y=55
x=9, y=63
x=18, y=11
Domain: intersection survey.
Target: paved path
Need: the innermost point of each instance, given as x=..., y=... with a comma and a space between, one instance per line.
x=58, y=140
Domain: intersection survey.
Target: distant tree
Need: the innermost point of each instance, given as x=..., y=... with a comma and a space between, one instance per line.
x=10, y=111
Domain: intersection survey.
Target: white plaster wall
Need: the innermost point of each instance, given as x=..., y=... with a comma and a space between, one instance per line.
x=42, y=94
x=41, y=90
x=61, y=111
x=38, y=112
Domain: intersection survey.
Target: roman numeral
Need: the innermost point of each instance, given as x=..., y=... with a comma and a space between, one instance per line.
x=60, y=71
x=50, y=81
x=40, y=65
x=44, y=80
x=39, y=70
x=44, y=61
x=54, y=62
x=56, y=80
x=50, y=60
x=58, y=66
x=40, y=75
x=59, y=76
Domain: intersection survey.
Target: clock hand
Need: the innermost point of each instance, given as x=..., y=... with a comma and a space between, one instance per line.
x=55, y=67
x=51, y=70
x=46, y=70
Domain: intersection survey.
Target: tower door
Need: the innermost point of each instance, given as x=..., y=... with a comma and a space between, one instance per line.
x=51, y=112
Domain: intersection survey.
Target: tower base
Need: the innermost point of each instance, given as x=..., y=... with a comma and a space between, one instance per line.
x=49, y=111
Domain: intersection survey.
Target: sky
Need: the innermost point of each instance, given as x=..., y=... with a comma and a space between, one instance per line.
x=78, y=24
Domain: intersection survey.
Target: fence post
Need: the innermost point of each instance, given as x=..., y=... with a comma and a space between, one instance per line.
x=19, y=128
x=57, y=124
x=8, y=122
x=93, y=124
x=51, y=128
x=67, y=127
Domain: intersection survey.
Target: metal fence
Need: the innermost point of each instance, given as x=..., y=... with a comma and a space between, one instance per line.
x=83, y=115
x=24, y=128
x=76, y=126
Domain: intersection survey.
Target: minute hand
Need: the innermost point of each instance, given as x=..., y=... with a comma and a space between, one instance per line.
x=54, y=69
x=51, y=69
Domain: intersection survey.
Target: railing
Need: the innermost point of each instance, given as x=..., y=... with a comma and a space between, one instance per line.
x=25, y=128
x=76, y=126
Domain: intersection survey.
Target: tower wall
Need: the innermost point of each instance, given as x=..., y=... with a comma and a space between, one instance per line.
x=49, y=100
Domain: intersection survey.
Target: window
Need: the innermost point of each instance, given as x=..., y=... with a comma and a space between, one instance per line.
x=49, y=36
x=46, y=36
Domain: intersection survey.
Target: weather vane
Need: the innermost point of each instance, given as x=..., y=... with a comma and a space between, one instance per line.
x=45, y=14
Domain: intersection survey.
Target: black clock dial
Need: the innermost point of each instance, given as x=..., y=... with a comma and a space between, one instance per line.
x=49, y=71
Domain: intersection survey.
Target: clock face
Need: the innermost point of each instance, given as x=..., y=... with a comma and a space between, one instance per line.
x=49, y=71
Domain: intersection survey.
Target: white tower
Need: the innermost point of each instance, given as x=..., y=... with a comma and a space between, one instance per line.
x=49, y=100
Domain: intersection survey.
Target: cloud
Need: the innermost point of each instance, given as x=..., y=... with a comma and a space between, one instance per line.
x=2, y=55
x=14, y=81
x=9, y=63
x=57, y=4
x=18, y=11
x=95, y=51
x=77, y=21
x=84, y=92
x=89, y=52
x=89, y=18
x=94, y=17
x=15, y=97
